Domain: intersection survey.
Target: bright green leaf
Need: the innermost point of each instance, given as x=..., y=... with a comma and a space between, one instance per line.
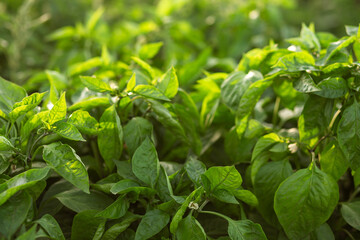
x=64, y=160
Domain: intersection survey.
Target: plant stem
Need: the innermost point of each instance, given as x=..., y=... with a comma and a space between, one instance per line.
x=29, y=153
x=203, y=204
x=276, y=111
x=348, y=233
x=333, y=119
x=353, y=195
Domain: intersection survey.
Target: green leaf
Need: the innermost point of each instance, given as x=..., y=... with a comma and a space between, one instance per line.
x=26, y=104
x=58, y=111
x=114, y=231
x=50, y=225
x=246, y=196
x=81, y=67
x=85, y=225
x=261, y=153
x=29, y=235
x=348, y=133
x=333, y=87
x=67, y=130
x=181, y=211
x=95, y=84
x=64, y=160
x=323, y=232
x=235, y=85
x=304, y=201
x=169, y=83
x=245, y=229
x=21, y=181
x=152, y=223
x=296, y=62
x=163, y=186
x=13, y=213
x=333, y=161
x=149, y=50
x=149, y=91
x=83, y=121
x=336, y=47
x=195, y=168
x=267, y=181
x=190, y=228
x=110, y=137
x=227, y=178
x=135, y=132
x=351, y=213
x=312, y=121
x=307, y=39
x=127, y=185
x=79, y=201
x=33, y=122
x=305, y=84
x=150, y=72
x=131, y=83
x=90, y=103
x=145, y=163
x=116, y=210
x=10, y=93
x=164, y=116
x=248, y=102
x=5, y=144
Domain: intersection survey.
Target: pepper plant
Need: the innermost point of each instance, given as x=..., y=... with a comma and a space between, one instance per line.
x=124, y=150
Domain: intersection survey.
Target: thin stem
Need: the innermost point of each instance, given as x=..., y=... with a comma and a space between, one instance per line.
x=276, y=111
x=29, y=154
x=353, y=195
x=348, y=233
x=334, y=118
x=203, y=204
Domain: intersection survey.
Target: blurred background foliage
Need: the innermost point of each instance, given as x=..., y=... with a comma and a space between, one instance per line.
x=191, y=35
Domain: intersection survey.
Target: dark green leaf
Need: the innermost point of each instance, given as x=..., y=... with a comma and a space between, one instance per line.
x=267, y=181
x=304, y=201
x=116, y=210
x=145, y=163
x=227, y=178
x=28, y=235
x=79, y=201
x=63, y=159
x=152, y=223
x=245, y=229
x=305, y=84
x=235, y=85
x=110, y=137
x=333, y=161
x=195, y=168
x=13, y=213
x=113, y=232
x=21, y=181
x=85, y=225
x=10, y=93
x=135, y=132
x=348, y=133
x=163, y=186
x=312, y=121
x=190, y=228
x=50, y=225
x=351, y=213
x=333, y=87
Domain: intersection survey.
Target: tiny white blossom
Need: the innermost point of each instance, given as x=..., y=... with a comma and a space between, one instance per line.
x=193, y=205
x=293, y=148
